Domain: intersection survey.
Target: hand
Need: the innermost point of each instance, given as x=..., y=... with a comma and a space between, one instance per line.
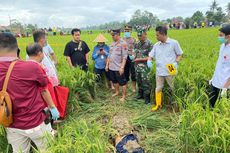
x=98, y=53
x=54, y=112
x=210, y=82
x=107, y=68
x=121, y=71
x=224, y=92
x=175, y=64
x=102, y=52
x=149, y=64
x=136, y=60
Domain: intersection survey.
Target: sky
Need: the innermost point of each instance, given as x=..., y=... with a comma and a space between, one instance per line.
x=75, y=13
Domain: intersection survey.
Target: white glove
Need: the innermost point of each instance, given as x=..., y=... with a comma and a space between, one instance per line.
x=210, y=82
x=175, y=64
x=224, y=92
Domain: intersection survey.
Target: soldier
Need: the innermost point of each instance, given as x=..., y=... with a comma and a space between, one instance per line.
x=129, y=67
x=141, y=52
x=116, y=63
x=167, y=53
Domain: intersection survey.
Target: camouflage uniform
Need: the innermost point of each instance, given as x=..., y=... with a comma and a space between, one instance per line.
x=142, y=50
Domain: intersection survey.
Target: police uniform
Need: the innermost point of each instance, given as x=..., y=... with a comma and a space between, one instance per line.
x=118, y=52
x=141, y=50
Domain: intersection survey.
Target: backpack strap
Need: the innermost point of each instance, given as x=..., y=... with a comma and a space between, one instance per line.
x=5, y=84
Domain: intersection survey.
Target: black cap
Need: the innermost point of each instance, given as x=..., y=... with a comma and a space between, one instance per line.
x=116, y=31
x=225, y=29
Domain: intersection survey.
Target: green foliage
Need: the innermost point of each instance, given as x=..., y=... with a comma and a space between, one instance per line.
x=206, y=131
x=79, y=136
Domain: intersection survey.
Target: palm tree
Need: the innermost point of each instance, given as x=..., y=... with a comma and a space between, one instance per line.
x=213, y=6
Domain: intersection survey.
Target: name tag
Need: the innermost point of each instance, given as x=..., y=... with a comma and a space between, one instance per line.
x=171, y=69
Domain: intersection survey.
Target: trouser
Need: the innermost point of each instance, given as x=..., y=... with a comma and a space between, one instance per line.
x=117, y=78
x=143, y=80
x=21, y=139
x=160, y=82
x=100, y=73
x=213, y=96
x=130, y=70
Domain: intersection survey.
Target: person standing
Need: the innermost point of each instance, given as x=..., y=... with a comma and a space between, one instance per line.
x=26, y=84
x=77, y=51
x=130, y=66
x=40, y=38
x=100, y=55
x=167, y=53
x=220, y=81
x=141, y=52
x=116, y=63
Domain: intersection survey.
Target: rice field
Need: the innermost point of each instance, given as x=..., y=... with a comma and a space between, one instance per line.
x=94, y=118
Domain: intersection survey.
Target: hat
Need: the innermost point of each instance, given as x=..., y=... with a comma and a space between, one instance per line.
x=225, y=29
x=116, y=31
x=140, y=30
x=100, y=38
x=128, y=27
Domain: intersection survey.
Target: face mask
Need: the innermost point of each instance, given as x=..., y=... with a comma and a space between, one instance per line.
x=222, y=40
x=131, y=57
x=127, y=34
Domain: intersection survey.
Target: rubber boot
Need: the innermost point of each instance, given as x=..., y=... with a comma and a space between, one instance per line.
x=140, y=94
x=158, y=101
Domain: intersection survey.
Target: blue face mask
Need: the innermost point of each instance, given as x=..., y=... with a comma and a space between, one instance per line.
x=131, y=57
x=127, y=34
x=222, y=40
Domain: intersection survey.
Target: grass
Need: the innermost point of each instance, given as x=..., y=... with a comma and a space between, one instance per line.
x=90, y=125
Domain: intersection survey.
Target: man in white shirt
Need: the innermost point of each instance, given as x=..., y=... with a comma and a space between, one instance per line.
x=167, y=53
x=50, y=64
x=221, y=77
x=50, y=69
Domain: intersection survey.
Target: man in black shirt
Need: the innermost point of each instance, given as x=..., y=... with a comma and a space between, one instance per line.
x=77, y=51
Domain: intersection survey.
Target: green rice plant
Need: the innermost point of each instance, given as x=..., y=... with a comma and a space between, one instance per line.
x=204, y=130
x=80, y=136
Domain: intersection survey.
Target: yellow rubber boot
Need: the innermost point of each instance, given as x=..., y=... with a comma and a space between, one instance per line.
x=158, y=101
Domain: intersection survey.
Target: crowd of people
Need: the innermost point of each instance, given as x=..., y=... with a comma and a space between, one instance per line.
x=31, y=84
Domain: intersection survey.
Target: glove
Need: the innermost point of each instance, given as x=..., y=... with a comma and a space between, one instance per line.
x=149, y=64
x=210, y=82
x=54, y=112
x=131, y=57
x=175, y=64
x=224, y=92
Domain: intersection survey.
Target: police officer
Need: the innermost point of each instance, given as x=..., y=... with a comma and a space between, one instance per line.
x=116, y=63
x=129, y=67
x=141, y=52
